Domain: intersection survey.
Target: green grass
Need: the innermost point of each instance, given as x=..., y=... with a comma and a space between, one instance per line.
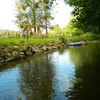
x=21, y=41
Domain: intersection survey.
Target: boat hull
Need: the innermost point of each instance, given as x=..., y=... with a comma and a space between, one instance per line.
x=75, y=44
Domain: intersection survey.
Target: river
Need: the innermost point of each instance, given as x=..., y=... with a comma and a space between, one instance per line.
x=66, y=74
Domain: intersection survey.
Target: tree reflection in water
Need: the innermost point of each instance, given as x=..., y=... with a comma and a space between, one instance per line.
x=86, y=85
x=48, y=76
x=36, y=78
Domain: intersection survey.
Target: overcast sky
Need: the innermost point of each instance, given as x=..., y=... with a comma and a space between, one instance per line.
x=7, y=14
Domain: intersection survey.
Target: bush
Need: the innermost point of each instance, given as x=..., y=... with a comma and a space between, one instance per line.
x=63, y=39
x=77, y=32
x=88, y=36
x=74, y=39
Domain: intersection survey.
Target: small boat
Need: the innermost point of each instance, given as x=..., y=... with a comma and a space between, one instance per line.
x=76, y=43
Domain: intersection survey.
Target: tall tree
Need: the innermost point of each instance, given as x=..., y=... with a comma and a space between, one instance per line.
x=26, y=12
x=23, y=19
x=46, y=6
x=37, y=13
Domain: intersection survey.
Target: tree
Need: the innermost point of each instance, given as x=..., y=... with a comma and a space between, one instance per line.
x=87, y=13
x=26, y=14
x=56, y=29
x=71, y=30
x=47, y=6
x=36, y=13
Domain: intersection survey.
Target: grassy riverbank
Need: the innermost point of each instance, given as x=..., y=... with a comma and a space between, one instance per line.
x=15, y=49
x=64, y=39
x=22, y=41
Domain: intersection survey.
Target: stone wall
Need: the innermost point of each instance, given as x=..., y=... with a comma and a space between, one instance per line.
x=17, y=52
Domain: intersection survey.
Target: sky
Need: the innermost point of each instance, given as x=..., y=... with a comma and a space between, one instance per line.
x=7, y=14
x=63, y=13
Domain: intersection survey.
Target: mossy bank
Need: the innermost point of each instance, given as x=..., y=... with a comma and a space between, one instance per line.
x=10, y=53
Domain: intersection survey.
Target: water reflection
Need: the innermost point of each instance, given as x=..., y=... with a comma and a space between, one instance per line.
x=41, y=77
x=68, y=74
x=86, y=85
x=36, y=78
x=44, y=76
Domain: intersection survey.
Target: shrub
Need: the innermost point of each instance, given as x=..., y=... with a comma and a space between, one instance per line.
x=63, y=39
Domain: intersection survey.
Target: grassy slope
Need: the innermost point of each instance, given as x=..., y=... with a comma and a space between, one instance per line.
x=20, y=41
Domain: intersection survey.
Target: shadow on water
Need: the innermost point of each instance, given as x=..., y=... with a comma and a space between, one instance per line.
x=66, y=74
x=86, y=85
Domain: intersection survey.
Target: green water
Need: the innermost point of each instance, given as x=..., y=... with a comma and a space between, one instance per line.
x=69, y=74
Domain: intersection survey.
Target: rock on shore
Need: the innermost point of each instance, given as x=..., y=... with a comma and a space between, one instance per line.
x=17, y=52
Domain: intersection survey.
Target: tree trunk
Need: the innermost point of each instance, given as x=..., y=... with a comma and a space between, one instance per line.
x=46, y=27
x=34, y=17
x=45, y=14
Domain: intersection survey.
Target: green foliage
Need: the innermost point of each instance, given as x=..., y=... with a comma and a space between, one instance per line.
x=63, y=39
x=71, y=30
x=34, y=14
x=89, y=36
x=68, y=28
x=8, y=34
x=55, y=30
x=87, y=14
x=74, y=38
x=77, y=32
